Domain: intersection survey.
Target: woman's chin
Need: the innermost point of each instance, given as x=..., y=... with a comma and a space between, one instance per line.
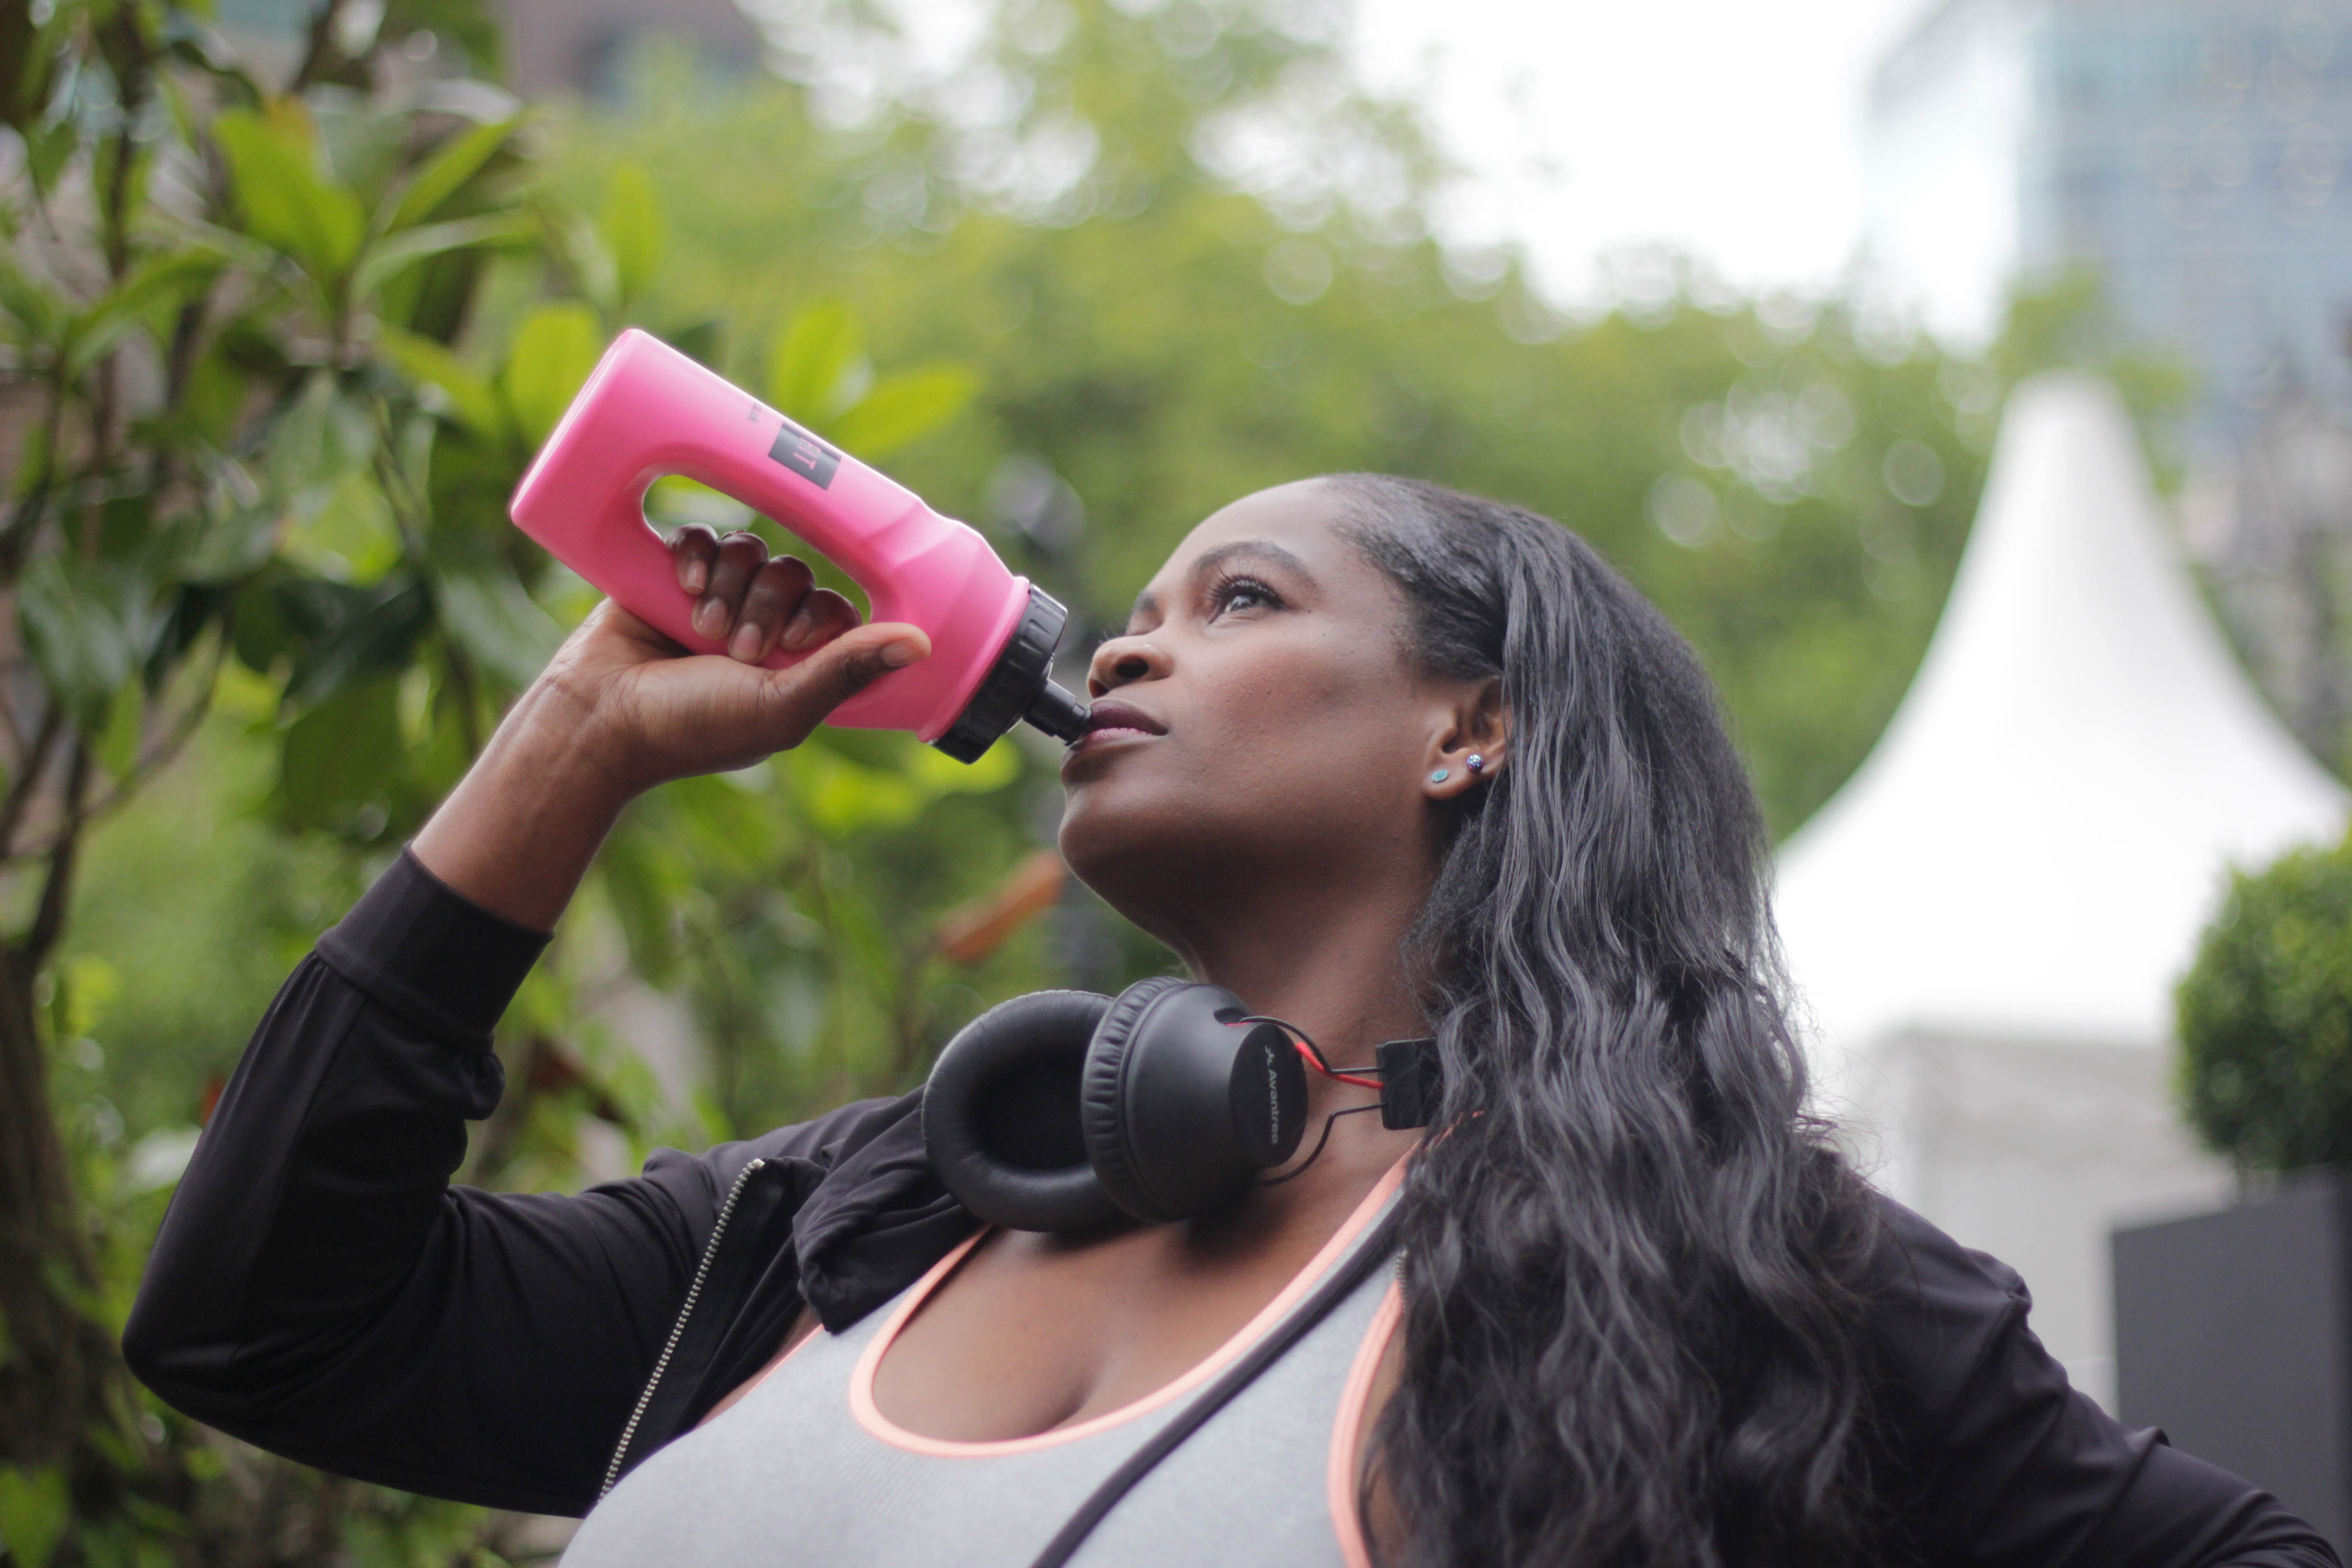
x=1095, y=836
x=1123, y=841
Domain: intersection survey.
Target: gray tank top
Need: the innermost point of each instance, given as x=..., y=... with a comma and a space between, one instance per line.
x=804, y=1471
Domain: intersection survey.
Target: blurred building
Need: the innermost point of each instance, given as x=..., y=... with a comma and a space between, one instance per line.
x=2191, y=151
x=552, y=47
x=1987, y=922
x=586, y=45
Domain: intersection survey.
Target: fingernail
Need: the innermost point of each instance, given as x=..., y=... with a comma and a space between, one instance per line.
x=697, y=576
x=746, y=646
x=797, y=629
x=710, y=617
x=902, y=653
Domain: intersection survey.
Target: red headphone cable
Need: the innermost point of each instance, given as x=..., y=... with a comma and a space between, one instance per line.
x=1312, y=1054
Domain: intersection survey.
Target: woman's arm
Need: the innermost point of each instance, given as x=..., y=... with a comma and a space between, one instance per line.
x=320, y=1289
x=317, y=1287
x=1991, y=1458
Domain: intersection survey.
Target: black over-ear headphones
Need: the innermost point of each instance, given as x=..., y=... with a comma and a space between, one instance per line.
x=1065, y=1109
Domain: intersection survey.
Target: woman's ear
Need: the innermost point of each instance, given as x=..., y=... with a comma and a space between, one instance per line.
x=1469, y=750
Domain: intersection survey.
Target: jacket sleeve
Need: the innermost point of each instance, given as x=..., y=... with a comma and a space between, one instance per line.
x=1992, y=1459
x=321, y=1289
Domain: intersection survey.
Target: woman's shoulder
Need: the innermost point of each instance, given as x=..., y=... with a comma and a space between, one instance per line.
x=1912, y=1252
x=1987, y=1454
x=1935, y=1311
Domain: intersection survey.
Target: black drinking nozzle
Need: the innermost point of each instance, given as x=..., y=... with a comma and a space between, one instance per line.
x=1017, y=686
x=1057, y=713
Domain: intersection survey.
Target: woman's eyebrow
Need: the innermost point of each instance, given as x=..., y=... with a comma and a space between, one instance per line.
x=1146, y=603
x=1265, y=549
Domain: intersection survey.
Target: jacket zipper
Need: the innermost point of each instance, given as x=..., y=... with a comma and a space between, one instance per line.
x=678, y=1329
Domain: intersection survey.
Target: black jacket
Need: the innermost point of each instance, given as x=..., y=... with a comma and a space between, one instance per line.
x=318, y=1288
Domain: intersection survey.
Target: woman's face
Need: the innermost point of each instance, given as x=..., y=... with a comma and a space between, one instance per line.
x=1259, y=724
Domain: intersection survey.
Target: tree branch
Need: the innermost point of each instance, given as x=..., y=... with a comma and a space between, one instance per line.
x=32, y=501
x=57, y=889
x=149, y=763
x=462, y=692
x=321, y=52
x=132, y=87
x=37, y=763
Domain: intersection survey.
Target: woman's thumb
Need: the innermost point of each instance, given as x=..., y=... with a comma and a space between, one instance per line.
x=856, y=659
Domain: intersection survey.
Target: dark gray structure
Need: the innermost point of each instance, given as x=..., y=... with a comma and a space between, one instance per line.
x=2234, y=1333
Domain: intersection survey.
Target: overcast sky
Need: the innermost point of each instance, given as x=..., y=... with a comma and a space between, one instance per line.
x=1727, y=127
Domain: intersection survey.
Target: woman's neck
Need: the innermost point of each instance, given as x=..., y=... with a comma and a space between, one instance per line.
x=1331, y=965
x=1324, y=954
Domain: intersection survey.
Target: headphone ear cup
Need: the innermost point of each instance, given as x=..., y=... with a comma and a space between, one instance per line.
x=1182, y=1103
x=1001, y=1114
x=1102, y=1100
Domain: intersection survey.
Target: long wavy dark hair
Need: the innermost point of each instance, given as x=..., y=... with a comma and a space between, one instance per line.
x=1630, y=1255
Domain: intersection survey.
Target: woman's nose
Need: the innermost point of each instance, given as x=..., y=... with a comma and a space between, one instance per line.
x=1123, y=660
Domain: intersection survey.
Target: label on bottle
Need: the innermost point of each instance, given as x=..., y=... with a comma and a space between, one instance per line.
x=806, y=456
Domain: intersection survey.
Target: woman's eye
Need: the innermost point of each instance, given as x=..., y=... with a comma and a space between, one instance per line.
x=1244, y=595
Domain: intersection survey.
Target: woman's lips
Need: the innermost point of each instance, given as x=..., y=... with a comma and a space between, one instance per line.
x=1113, y=721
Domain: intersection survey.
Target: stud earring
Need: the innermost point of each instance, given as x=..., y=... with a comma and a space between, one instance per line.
x=1476, y=763
x=1440, y=776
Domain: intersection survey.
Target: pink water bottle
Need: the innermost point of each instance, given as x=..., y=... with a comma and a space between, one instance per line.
x=648, y=411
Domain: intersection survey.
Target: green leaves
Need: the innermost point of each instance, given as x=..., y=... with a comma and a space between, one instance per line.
x=440, y=177
x=340, y=757
x=488, y=613
x=818, y=373
x=812, y=371
x=469, y=399
x=290, y=201
x=282, y=409
x=633, y=231
x=901, y=407
x=554, y=348
x=388, y=258
x=2265, y=1017
x=161, y=283
x=47, y=148
x=321, y=436
x=74, y=340
x=345, y=634
x=855, y=781
x=35, y=1508
x=88, y=627
x=283, y=193
x=470, y=24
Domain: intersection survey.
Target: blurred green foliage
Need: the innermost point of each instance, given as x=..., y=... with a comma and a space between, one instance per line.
x=2265, y=1017
x=277, y=353
x=234, y=325
x=1154, y=342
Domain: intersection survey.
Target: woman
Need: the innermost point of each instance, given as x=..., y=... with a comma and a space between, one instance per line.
x=1384, y=760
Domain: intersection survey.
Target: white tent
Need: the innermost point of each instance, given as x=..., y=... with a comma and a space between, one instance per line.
x=1987, y=922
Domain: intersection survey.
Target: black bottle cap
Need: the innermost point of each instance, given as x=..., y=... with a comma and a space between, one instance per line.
x=1016, y=688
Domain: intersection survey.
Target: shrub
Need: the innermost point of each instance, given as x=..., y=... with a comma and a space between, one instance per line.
x=2265, y=1016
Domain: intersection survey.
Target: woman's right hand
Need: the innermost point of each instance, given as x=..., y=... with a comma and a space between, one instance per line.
x=621, y=709
x=652, y=713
